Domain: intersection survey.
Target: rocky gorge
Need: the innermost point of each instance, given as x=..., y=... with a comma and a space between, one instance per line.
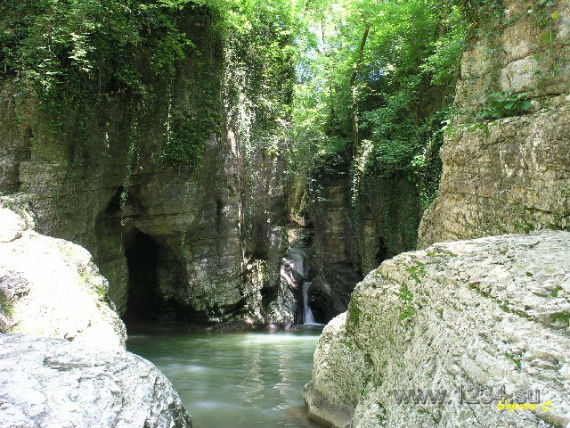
x=219, y=230
x=509, y=174
x=222, y=197
x=431, y=336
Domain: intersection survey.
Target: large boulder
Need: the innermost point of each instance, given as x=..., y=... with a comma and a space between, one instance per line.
x=51, y=287
x=469, y=315
x=54, y=383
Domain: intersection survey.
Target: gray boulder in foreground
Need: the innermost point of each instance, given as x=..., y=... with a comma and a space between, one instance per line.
x=477, y=315
x=52, y=383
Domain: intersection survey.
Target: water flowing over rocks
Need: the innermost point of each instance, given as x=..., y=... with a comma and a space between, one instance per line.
x=474, y=314
x=51, y=287
x=350, y=239
x=53, y=383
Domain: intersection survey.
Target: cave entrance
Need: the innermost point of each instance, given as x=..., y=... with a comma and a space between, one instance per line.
x=144, y=300
x=146, y=273
x=322, y=306
x=154, y=275
x=381, y=251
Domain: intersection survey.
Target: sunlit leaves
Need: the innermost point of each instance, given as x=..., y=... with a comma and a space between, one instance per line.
x=412, y=45
x=51, y=43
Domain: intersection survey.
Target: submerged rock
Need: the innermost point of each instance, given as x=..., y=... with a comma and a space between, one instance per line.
x=50, y=287
x=54, y=383
x=472, y=316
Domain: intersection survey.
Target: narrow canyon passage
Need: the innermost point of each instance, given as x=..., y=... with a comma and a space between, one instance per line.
x=342, y=211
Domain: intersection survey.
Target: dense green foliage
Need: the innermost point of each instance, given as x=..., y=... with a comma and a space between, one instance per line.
x=501, y=104
x=356, y=85
x=260, y=57
x=74, y=56
x=395, y=89
x=64, y=46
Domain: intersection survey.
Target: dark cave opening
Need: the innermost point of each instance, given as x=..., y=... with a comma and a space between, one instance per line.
x=150, y=264
x=144, y=302
x=321, y=306
x=148, y=287
x=381, y=252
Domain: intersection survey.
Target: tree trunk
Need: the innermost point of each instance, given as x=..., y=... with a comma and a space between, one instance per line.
x=354, y=90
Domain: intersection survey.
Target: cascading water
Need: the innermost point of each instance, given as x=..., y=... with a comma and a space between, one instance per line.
x=308, y=317
x=295, y=272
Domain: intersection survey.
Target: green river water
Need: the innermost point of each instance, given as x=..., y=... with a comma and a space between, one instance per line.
x=236, y=380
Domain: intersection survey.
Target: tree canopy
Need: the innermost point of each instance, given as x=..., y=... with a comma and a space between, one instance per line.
x=363, y=80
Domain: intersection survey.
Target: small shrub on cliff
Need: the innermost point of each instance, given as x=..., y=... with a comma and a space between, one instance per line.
x=67, y=47
x=504, y=104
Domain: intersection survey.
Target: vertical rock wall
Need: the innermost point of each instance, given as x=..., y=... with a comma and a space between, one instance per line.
x=389, y=211
x=203, y=240
x=353, y=234
x=506, y=156
x=182, y=239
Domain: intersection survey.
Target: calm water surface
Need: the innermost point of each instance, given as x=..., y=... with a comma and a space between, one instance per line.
x=236, y=380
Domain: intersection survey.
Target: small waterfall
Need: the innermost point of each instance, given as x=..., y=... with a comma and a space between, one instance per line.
x=308, y=317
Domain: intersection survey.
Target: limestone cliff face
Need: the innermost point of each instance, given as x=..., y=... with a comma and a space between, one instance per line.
x=205, y=240
x=173, y=239
x=336, y=257
x=506, y=156
x=472, y=315
x=388, y=214
x=352, y=237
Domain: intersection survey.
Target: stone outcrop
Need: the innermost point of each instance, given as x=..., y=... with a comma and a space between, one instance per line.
x=388, y=217
x=335, y=256
x=200, y=239
x=473, y=314
x=54, y=383
x=506, y=155
x=50, y=287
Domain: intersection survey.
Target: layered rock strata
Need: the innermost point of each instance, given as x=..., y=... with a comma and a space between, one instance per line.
x=488, y=317
x=506, y=155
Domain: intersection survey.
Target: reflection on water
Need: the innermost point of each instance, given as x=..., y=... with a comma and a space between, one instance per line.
x=236, y=380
